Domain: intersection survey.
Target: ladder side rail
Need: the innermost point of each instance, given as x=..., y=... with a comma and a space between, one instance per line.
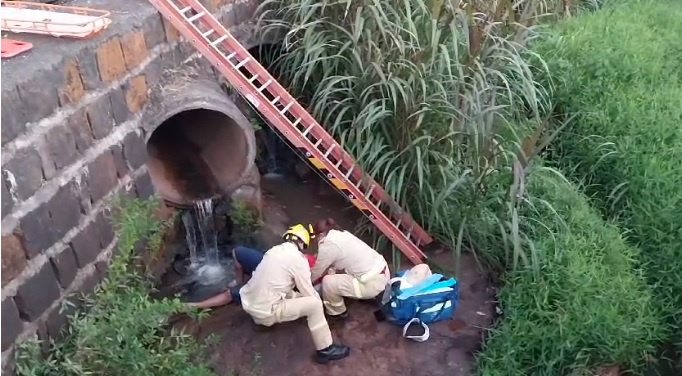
x=270, y=110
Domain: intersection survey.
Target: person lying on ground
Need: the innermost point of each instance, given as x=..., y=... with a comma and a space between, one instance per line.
x=365, y=270
x=269, y=297
x=245, y=260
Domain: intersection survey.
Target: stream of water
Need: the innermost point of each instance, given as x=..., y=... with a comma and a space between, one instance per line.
x=207, y=265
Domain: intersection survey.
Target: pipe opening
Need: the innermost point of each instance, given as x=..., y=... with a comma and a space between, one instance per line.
x=196, y=155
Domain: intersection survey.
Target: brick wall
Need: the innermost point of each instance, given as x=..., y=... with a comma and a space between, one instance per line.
x=73, y=137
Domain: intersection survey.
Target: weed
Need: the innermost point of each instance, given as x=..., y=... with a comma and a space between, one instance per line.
x=120, y=328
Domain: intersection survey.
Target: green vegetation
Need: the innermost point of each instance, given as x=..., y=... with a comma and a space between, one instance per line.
x=620, y=71
x=120, y=328
x=586, y=308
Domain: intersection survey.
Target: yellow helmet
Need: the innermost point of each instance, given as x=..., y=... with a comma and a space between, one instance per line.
x=301, y=233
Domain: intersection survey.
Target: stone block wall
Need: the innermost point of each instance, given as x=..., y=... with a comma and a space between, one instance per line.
x=73, y=137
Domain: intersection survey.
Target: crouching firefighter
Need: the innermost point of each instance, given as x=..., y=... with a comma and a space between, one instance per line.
x=269, y=296
x=366, y=271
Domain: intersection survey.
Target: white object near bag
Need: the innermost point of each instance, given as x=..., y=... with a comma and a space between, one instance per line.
x=420, y=338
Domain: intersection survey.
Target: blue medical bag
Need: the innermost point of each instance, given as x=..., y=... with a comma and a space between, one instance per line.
x=431, y=301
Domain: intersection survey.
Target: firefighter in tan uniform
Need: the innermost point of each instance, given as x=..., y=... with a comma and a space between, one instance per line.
x=365, y=270
x=269, y=295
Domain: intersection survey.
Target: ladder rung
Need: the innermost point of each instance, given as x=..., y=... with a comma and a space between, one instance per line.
x=230, y=56
x=220, y=40
x=329, y=151
x=369, y=192
x=242, y=63
x=265, y=85
x=274, y=101
x=285, y=109
x=310, y=128
x=208, y=33
x=350, y=171
x=317, y=144
x=196, y=17
x=254, y=78
x=295, y=124
x=184, y=10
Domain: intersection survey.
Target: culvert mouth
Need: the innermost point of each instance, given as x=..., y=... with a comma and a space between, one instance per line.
x=198, y=154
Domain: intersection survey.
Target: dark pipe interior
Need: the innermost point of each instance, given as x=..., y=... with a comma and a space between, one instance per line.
x=195, y=154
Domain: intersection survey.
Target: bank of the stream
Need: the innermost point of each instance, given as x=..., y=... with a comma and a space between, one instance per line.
x=620, y=73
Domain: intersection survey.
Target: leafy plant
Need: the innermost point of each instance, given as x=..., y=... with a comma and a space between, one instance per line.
x=120, y=328
x=245, y=218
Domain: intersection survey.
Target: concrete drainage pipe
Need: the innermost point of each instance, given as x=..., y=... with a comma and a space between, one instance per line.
x=202, y=147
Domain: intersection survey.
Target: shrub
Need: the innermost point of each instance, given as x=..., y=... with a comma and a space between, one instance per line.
x=120, y=330
x=620, y=72
x=586, y=308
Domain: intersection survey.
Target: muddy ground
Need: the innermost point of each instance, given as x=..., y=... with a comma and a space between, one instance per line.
x=377, y=349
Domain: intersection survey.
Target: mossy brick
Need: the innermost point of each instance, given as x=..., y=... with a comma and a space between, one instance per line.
x=13, y=118
x=119, y=161
x=86, y=245
x=25, y=170
x=7, y=200
x=105, y=228
x=135, y=149
x=100, y=117
x=61, y=146
x=36, y=231
x=65, y=210
x=144, y=186
x=73, y=89
x=37, y=293
x=38, y=94
x=172, y=34
x=154, y=33
x=79, y=125
x=13, y=258
x=102, y=177
x=88, y=69
x=136, y=94
x=65, y=266
x=134, y=48
x=110, y=60
x=12, y=325
x=119, y=107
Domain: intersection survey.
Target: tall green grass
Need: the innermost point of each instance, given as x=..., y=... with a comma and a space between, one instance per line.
x=423, y=94
x=620, y=72
x=587, y=307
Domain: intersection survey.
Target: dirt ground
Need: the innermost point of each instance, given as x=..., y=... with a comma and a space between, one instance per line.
x=377, y=349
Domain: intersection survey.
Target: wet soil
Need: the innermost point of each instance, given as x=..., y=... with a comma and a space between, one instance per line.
x=377, y=349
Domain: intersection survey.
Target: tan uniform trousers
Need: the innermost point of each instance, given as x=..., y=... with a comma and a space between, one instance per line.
x=309, y=307
x=337, y=286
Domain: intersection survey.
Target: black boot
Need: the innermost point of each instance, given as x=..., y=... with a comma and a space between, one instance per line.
x=338, y=318
x=333, y=352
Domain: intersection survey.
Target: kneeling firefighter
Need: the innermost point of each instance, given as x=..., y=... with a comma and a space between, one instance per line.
x=366, y=271
x=269, y=296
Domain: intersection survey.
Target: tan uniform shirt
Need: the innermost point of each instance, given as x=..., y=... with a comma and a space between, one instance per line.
x=342, y=250
x=283, y=268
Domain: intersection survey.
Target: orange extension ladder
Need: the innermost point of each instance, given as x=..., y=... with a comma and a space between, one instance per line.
x=284, y=113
